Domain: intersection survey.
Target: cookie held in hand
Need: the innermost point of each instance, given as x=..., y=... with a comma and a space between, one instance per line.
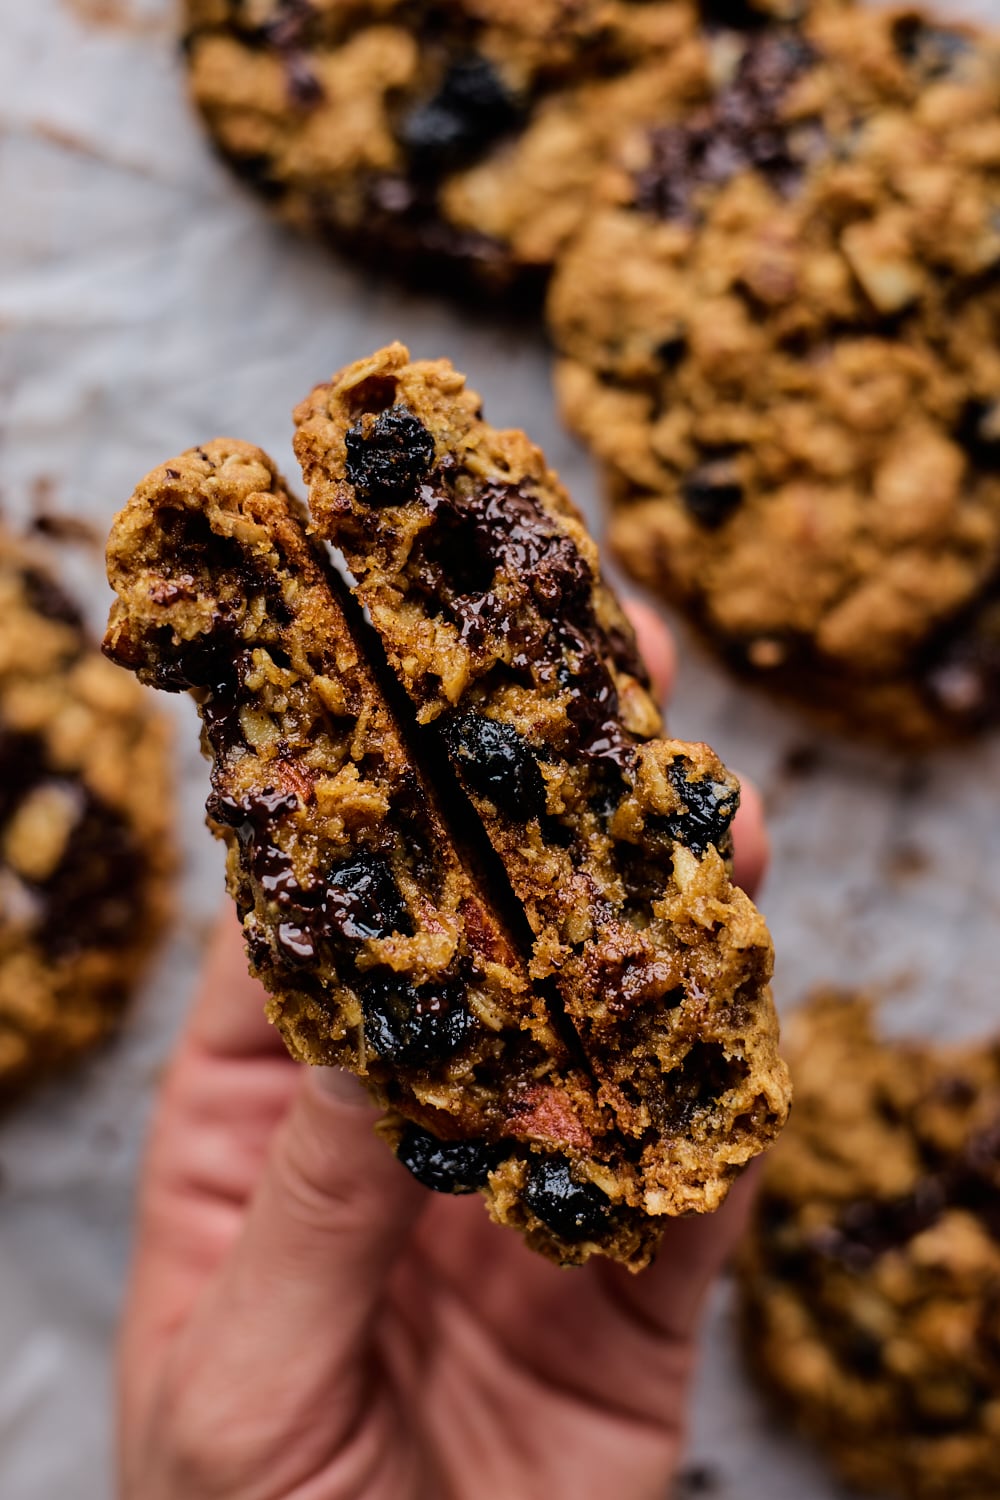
x=466, y=866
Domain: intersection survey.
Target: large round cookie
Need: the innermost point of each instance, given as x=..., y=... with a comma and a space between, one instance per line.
x=442, y=138
x=780, y=335
x=83, y=828
x=871, y=1280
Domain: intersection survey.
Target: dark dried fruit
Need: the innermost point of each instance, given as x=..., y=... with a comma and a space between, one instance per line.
x=46, y=597
x=573, y=1210
x=362, y=899
x=472, y=108
x=741, y=130
x=388, y=456
x=709, y=809
x=713, y=491
x=407, y=1025
x=445, y=1166
x=495, y=762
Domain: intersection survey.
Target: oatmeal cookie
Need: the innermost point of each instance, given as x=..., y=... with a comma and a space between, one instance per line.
x=440, y=138
x=84, y=828
x=377, y=929
x=485, y=589
x=781, y=336
x=871, y=1279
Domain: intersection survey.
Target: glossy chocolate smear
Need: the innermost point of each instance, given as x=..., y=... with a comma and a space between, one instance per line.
x=358, y=898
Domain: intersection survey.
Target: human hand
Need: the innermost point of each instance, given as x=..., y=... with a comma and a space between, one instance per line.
x=305, y=1322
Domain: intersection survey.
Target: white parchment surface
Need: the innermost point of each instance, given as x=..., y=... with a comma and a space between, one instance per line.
x=146, y=303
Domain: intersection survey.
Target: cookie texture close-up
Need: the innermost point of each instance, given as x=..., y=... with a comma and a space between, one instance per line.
x=779, y=334
x=441, y=140
x=871, y=1279
x=486, y=591
x=85, y=847
x=501, y=900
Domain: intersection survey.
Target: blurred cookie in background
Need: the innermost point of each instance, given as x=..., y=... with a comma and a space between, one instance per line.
x=780, y=334
x=456, y=141
x=84, y=828
x=871, y=1278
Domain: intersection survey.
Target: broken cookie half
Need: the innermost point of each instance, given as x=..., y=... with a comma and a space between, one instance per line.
x=476, y=879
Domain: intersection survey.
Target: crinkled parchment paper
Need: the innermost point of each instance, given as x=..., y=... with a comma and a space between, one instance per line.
x=147, y=303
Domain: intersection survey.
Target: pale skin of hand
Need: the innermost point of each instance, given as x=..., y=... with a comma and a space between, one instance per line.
x=305, y=1322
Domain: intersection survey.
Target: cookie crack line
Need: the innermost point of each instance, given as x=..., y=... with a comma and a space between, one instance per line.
x=467, y=867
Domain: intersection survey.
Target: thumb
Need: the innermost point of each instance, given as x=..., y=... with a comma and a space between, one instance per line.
x=295, y=1302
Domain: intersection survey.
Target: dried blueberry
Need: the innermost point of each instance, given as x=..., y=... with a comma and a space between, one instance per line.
x=709, y=808
x=444, y=1166
x=362, y=899
x=571, y=1209
x=712, y=491
x=410, y=1025
x=388, y=457
x=470, y=110
x=497, y=764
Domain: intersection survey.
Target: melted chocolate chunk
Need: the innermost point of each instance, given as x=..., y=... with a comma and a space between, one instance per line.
x=979, y=432
x=90, y=897
x=498, y=529
x=713, y=491
x=961, y=666
x=46, y=597
x=409, y=1025
x=445, y=1166
x=495, y=762
x=742, y=130
x=709, y=809
x=257, y=169
x=932, y=51
x=472, y=109
x=573, y=1210
x=89, y=900
x=388, y=457
x=593, y=705
x=22, y=766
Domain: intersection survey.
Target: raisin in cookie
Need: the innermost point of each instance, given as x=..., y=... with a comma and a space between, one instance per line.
x=485, y=589
x=440, y=138
x=871, y=1280
x=84, y=847
x=780, y=336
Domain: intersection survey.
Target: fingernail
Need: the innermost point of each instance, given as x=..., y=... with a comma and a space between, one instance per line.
x=338, y=1084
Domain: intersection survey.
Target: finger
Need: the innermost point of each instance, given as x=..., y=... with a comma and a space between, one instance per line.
x=656, y=646
x=751, y=844
x=229, y=1019
x=307, y=1275
x=669, y=1297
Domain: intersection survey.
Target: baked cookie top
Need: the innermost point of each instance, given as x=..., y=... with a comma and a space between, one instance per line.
x=871, y=1279
x=440, y=138
x=84, y=828
x=780, y=336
